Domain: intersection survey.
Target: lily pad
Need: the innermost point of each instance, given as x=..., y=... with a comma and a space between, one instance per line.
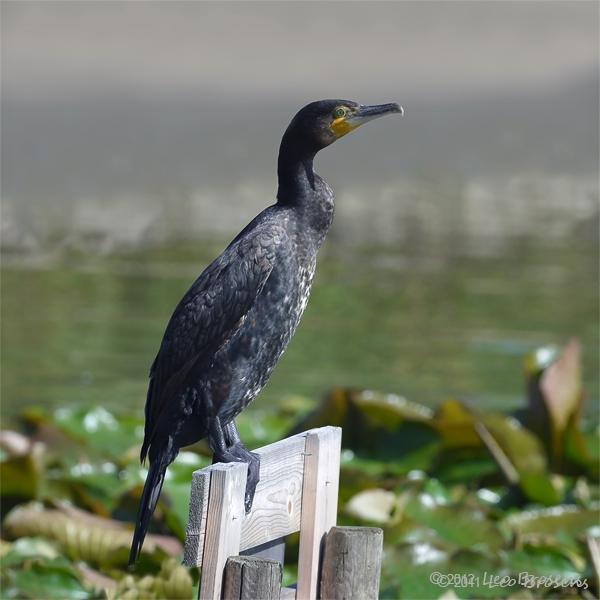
x=32, y=568
x=573, y=520
x=83, y=536
x=374, y=424
x=96, y=429
x=465, y=527
x=28, y=547
x=376, y=506
x=22, y=474
x=456, y=425
x=430, y=573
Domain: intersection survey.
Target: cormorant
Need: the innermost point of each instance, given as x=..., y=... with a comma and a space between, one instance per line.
x=232, y=326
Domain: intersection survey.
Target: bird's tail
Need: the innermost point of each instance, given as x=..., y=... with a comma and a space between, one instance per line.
x=152, y=488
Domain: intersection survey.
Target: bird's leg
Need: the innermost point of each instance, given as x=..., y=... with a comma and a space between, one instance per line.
x=237, y=448
x=228, y=447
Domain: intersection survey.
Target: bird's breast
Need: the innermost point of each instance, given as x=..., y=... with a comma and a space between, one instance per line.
x=268, y=328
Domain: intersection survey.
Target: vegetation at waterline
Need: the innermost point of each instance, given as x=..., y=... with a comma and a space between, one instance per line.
x=481, y=503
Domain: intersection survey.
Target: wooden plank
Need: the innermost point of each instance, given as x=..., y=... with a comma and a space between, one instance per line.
x=223, y=525
x=277, y=502
x=251, y=578
x=286, y=501
x=352, y=563
x=196, y=525
x=319, y=504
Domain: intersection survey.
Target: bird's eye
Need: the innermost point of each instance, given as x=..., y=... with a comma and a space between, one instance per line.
x=339, y=112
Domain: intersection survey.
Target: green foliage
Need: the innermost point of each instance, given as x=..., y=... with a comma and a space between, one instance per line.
x=33, y=568
x=464, y=493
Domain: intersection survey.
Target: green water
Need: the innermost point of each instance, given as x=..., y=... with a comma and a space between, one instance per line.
x=83, y=329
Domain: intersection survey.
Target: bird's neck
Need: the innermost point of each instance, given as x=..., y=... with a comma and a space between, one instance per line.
x=295, y=173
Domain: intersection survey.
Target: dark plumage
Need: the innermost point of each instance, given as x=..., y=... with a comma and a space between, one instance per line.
x=231, y=327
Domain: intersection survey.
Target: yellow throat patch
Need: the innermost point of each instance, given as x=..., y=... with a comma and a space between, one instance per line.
x=341, y=127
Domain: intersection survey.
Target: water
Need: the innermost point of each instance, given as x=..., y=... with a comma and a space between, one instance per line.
x=82, y=329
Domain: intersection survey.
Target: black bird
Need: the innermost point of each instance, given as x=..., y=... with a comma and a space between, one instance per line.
x=232, y=326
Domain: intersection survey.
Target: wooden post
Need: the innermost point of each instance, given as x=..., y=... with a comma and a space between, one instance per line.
x=250, y=578
x=352, y=563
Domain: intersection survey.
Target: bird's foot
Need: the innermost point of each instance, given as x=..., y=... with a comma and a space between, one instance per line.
x=239, y=453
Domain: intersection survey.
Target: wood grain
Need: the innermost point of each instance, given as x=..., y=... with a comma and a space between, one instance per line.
x=223, y=525
x=319, y=504
x=352, y=563
x=297, y=491
x=196, y=525
x=251, y=578
x=277, y=504
x=287, y=593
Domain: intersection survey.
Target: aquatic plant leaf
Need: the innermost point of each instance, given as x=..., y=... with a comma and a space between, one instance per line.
x=465, y=527
x=437, y=490
x=540, y=487
x=583, y=449
x=41, y=576
x=570, y=519
x=376, y=506
x=14, y=443
x=556, y=398
x=520, y=456
x=456, y=425
x=173, y=581
x=83, y=536
x=260, y=427
x=96, y=429
x=388, y=410
x=95, y=579
x=96, y=486
x=428, y=572
x=457, y=465
x=541, y=562
x=371, y=421
x=560, y=384
x=22, y=474
x=521, y=447
x=27, y=547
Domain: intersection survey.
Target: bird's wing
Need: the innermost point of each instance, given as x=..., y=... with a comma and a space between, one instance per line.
x=208, y=315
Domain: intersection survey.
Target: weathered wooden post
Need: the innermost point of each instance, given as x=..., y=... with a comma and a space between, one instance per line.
x=248, y=577
x=352, y=563
x=297, y=491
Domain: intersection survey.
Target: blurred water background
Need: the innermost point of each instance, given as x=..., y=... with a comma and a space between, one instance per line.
x=138, y=138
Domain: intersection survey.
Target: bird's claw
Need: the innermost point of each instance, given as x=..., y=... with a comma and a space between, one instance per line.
x=251, y=481
x=248, y=499
x=238, y=453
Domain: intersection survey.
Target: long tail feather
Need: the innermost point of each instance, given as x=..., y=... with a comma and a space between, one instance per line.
x=152, y=488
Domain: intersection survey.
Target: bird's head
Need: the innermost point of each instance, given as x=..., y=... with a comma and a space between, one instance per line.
x=321, y=123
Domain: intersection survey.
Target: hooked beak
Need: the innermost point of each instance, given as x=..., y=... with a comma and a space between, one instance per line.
x=364, y=114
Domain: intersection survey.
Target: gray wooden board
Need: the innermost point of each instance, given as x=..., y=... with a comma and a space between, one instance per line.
x=277, y=506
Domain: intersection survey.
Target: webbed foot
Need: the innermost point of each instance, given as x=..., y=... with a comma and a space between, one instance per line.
x=239, y=453
x=229, y=448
